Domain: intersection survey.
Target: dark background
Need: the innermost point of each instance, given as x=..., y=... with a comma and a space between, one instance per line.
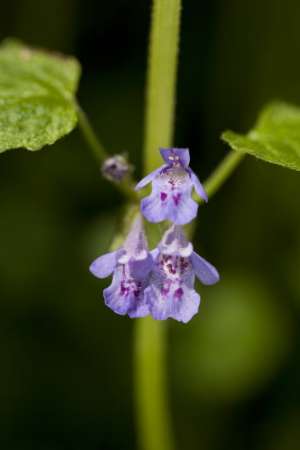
x=65, y=375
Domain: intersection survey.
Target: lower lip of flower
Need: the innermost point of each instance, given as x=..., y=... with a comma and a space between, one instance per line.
x=176, y=198
x=178, y=293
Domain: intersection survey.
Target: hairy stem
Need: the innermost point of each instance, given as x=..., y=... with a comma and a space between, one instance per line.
x=152, y=410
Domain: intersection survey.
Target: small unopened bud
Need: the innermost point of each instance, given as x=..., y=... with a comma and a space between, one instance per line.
x=116, y=168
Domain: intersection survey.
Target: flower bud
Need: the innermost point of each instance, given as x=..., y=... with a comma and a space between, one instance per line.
x=115, y=168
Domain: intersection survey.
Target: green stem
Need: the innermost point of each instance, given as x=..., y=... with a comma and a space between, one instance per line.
x=125, y=187
x=160, y=98
x=153, y=419
x=152, y=412
x=222, y=172
x=90, y=136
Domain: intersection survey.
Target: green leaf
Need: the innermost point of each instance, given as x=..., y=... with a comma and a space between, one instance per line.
x=275, y=137
x=37, y=91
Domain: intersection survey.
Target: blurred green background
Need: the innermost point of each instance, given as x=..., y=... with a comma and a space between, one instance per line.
x=65, y=378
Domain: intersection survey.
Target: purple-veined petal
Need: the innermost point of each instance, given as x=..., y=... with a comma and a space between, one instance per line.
x=180, y=303
x=159, y=306
x=170, y=198
x=154, y=209
x=103, y=266
x=140, y=308
x=205, y=271
x=156, y=206
x=174, y=188
x=113, y=298
x=184, y=209
x=147, y=179
x=176, y=155
x=198, y=186
x=125, y=295
x=186, y=305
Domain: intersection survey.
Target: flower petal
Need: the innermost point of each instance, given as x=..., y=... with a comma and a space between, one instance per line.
x=140, y=308
x=147, y=179
x=184, y=210
x=154, y=209
x=154, y=253
x=135, y=245
x=198, y=186
x=159, y=306
x=174, y=242
x=205, y=271
x=125, y=295
x=181, y=304
x=187, y=306
x=172, y=155
x=103, y=266
x=140, y=269
x=113, y=298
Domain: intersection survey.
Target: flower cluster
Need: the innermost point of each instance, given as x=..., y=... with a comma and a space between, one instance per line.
x=160, y=282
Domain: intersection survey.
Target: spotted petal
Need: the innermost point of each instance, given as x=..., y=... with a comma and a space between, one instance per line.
x=152, y=208
x=120, y=304
x=186, y=307
x=168, y=203
x=140, y=308
x=184, y=210
x=181, y=303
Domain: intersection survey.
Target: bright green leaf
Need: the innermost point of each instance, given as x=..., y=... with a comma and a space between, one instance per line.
x=275, y=137
x=37, y=91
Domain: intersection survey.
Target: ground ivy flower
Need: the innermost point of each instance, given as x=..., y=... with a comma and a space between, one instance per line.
x=131, y=265
x=172, y=186
x=171, y=292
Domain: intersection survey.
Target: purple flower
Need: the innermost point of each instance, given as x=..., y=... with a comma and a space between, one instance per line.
x=131, y=265
x=172, y=186
x=171, y=292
